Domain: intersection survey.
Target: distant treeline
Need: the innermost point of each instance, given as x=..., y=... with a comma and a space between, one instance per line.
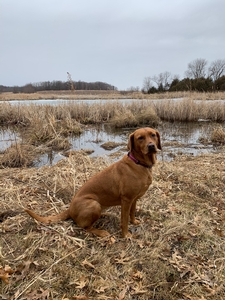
x=198, y=77
x=188, y=84
x=57, y=86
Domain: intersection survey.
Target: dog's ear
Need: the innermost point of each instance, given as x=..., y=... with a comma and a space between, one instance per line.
x=159, y=141
x=130, y=144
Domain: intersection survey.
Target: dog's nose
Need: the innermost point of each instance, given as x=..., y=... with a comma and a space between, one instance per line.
x=151, y=147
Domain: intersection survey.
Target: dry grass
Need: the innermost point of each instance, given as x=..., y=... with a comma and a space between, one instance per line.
x=188, y=110
x=134, y=115
x=176, y=253
x=118, y=113
x=218, y=135
x=18, y=155
x=41, y=125
x=82, y=94
x=51, y=126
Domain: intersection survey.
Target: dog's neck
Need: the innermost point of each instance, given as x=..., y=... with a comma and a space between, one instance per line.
x=130, y=155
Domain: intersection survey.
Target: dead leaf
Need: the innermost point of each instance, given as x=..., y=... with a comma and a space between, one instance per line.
x=80, y=298
x=4, y=276
x=101, y=289
x=194, y=298
x=122, y=260
x=219, y=232
x=112, y=240
x=122, y=294
x=137, y=275
x=138, y=290
x=140, y=244
x=5, y=273
x=87, y=263
x=24, y=268
x=38, y=295
x=9, y=270
x=81, y=283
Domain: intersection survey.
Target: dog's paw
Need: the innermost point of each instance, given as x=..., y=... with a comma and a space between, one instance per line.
x=103, y=233
x=135, y=222
x=98, y=232
x=127, y=235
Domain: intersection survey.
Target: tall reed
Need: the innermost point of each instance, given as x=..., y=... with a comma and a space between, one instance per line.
x=66, y=117
x=188, y=110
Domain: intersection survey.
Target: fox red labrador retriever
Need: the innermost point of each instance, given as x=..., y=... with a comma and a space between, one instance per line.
x=122, y=183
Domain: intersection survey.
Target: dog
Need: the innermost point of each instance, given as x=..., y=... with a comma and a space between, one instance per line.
x=122, y=183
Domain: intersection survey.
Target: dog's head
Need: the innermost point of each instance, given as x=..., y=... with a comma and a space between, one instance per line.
x=144, y=141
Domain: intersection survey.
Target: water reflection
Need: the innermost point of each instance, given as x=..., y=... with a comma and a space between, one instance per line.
x=93, y=138
x=177, y=139
x=7, y=138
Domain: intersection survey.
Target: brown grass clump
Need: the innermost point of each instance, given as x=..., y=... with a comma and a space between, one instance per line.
x=12, y=115
x=123, y=119
x=45, y=128
x=18, y=155
x=111, y=145
x=134, y=114
x=176, y=253
x=148, y=116
x=59, y=144
x=218, y=135
x=188, y=110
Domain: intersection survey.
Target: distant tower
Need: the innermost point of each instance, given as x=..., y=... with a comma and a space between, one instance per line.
x=70, y=82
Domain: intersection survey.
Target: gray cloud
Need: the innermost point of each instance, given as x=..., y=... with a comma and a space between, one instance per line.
x=119, y=42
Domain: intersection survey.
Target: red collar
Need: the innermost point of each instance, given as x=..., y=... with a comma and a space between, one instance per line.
x=137, y=161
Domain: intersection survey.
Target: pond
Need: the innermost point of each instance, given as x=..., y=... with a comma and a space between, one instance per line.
x=65, y=101
x=177, y=138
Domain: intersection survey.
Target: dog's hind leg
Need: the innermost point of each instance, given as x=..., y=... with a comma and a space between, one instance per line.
x=85, y=213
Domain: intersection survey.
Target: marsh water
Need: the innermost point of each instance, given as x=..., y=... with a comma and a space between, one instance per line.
x=177, y=139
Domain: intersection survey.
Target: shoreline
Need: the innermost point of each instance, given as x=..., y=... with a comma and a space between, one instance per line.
x=110, y=95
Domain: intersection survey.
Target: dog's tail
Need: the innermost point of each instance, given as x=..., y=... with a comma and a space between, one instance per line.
x=50, y=219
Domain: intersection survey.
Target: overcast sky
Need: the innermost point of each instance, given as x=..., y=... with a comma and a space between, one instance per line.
x=115, y=41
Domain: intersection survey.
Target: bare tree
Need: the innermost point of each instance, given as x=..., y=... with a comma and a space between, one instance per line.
x=197, y=68
x=133, y=89
x=70, y=82
x=217, y=69
x=162, y=80
x=147, y=84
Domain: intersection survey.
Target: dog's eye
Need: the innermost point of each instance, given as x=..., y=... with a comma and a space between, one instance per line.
x=153, y=135
x=140, y=138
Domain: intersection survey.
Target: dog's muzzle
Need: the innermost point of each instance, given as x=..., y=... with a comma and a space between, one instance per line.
x=152, y=148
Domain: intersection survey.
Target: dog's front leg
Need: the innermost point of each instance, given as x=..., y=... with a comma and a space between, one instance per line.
x=133, y=220
x=125, y=211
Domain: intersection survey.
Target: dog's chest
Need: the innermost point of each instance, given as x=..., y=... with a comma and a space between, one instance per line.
x=142, y=185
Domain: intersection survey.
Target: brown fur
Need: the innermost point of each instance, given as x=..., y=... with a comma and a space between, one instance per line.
x=122, y=183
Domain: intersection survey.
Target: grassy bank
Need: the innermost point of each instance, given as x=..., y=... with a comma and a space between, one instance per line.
x=82, y=94
x=137, y=112
x=176, y=253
